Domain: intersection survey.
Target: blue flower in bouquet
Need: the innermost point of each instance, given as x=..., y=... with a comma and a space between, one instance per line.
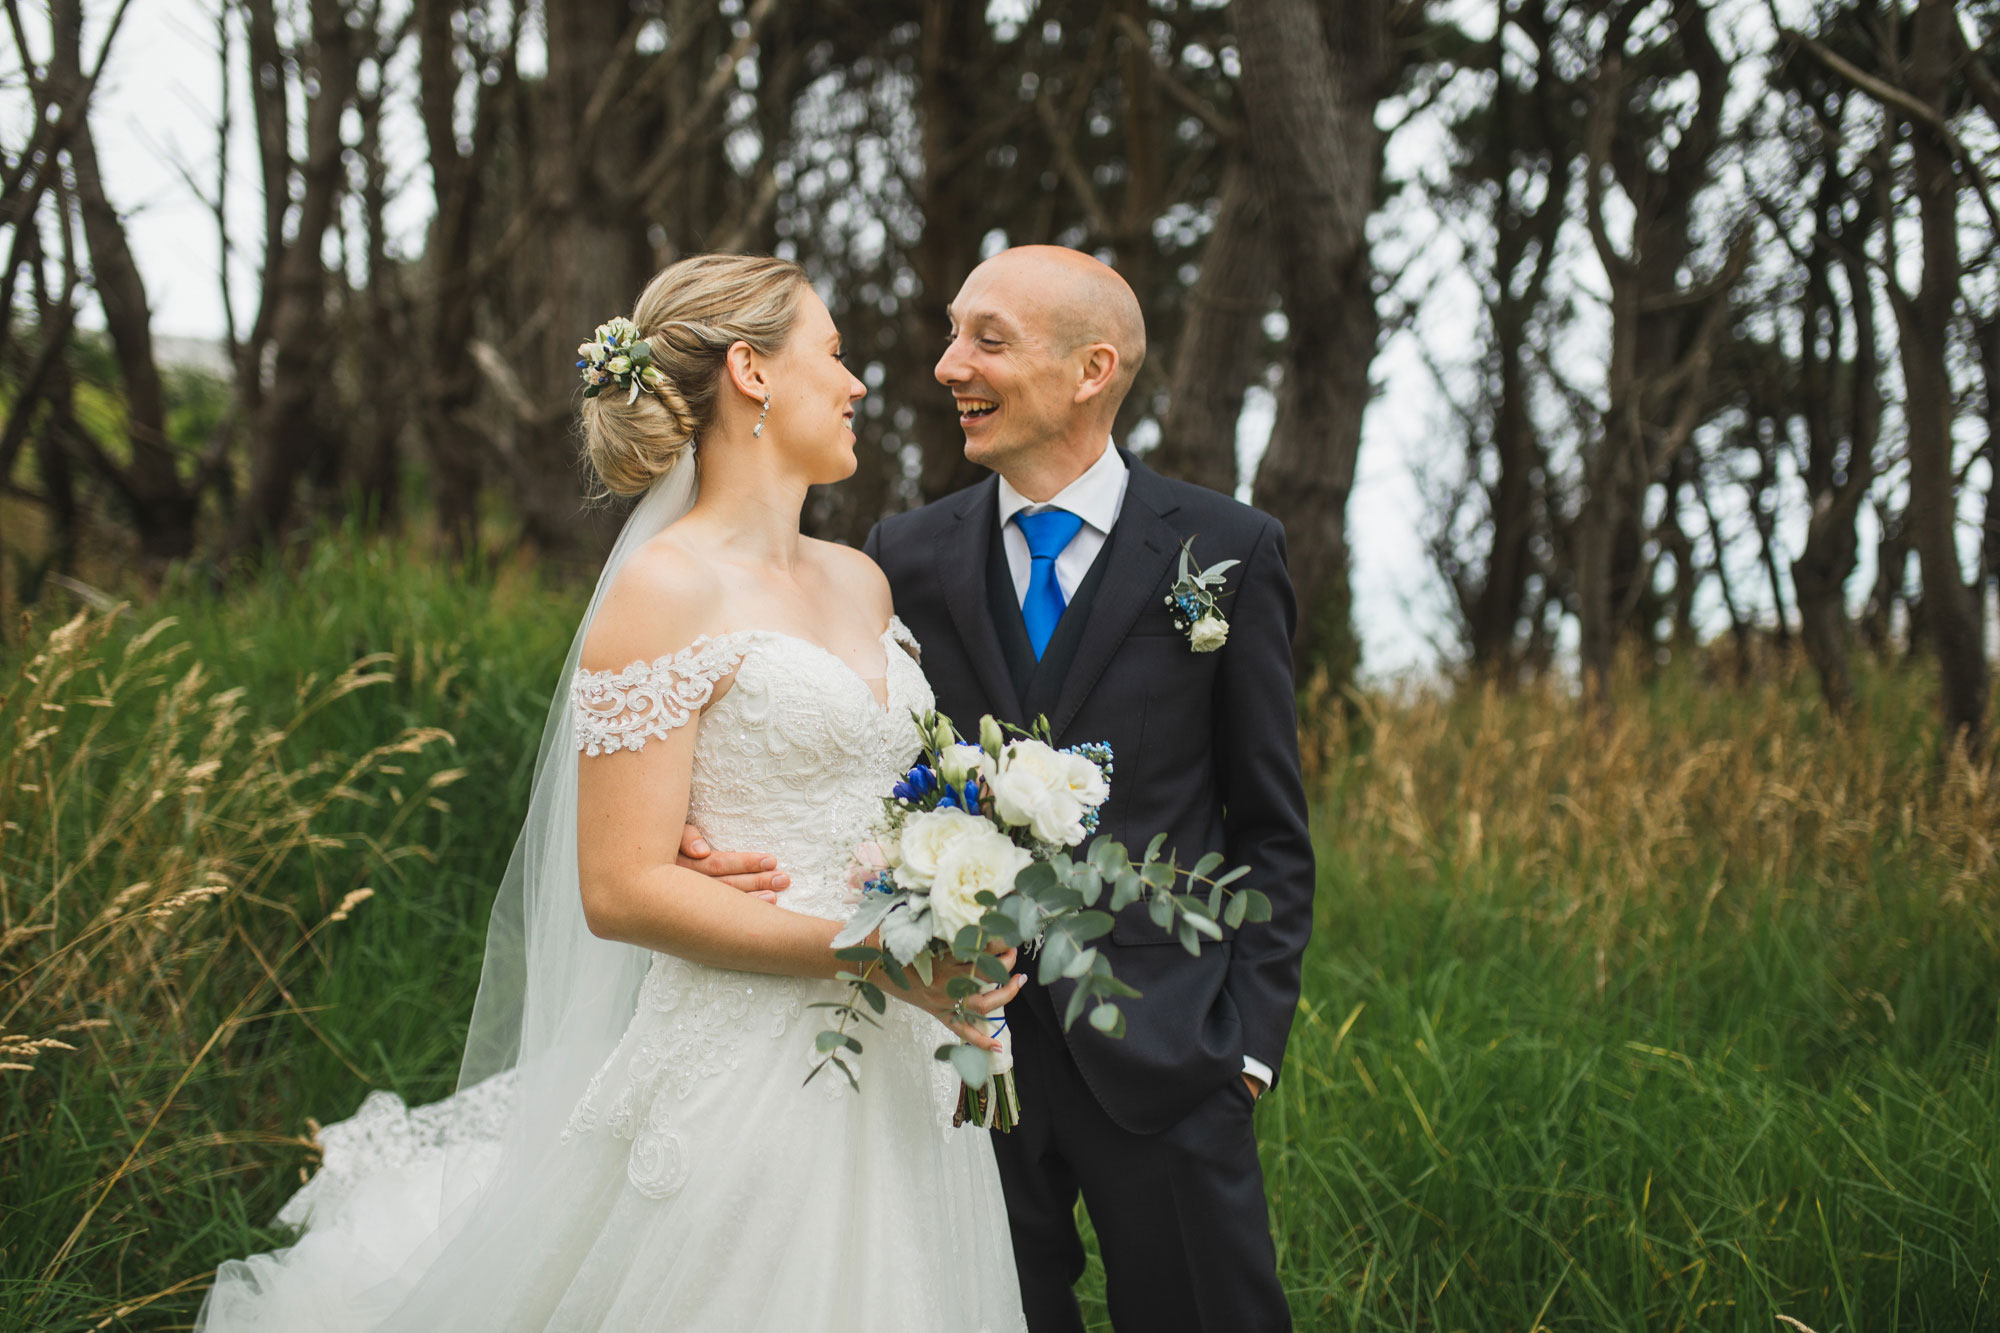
x=916, y=785
x=963, y=797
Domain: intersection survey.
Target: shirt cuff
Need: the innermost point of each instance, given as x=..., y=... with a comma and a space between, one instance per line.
x=1257, y=1069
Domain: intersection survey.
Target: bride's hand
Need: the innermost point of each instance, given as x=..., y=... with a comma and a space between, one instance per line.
x=935, y=1000
x=753, y=872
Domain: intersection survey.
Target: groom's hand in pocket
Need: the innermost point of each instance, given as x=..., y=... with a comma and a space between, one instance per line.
x=753, y=872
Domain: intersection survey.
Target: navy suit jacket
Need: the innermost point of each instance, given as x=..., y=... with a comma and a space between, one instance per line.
x=1205, y=750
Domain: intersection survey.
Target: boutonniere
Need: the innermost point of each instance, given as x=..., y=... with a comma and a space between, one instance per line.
x=1192, y=602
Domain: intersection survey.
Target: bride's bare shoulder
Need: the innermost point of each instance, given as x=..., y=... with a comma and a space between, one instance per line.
x=660, y=602
x=850, y=574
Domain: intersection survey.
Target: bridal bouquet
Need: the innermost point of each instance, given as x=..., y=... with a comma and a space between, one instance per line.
x=975, y=849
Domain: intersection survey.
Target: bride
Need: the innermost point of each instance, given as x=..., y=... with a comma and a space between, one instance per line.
x=631, y=1147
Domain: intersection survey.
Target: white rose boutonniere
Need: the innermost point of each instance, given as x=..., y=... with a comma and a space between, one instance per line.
x=1192, y=601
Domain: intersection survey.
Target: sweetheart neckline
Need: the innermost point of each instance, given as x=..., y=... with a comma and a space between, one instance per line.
x=885, y=638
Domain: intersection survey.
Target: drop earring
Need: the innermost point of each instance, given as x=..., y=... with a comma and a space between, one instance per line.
x=758, y=429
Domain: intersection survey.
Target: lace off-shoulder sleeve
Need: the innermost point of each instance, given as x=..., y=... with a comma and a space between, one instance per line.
x=622, y=710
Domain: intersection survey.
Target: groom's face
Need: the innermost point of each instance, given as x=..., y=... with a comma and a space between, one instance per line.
x=1013, y=382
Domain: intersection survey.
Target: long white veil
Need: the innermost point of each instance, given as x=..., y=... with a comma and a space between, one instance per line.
x=554, y=998
x=396, y=1224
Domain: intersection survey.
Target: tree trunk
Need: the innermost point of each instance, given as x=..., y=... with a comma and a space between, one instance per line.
x=1222, y=344
x=950, y=197
x=162, y=505
x=1828, y=558
x=1950, y=607
x=451, y=380
x=1312, y=77
x=288, y=432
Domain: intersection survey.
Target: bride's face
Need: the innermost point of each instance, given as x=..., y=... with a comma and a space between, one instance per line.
x=813, y=397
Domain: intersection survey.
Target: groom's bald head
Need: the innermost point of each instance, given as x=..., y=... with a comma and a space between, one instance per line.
x=1046, y=342
x=1079, y=299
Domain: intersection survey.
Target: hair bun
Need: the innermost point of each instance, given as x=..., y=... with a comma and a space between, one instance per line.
x=689, y=316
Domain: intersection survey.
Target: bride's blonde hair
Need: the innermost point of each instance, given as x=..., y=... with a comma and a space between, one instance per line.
x=690, y=314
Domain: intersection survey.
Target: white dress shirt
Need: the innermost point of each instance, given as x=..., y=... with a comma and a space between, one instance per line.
x=1095, y=497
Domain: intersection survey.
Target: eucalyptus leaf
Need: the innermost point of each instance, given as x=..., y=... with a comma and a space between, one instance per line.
x=1232, y=876
x=961, y=988
x=1232, y=911
x=1056, y=952
x=1075, y=1009
x=1080, y=964
x=907, y=934
x=1106, y=1018
x=1189, y=940
x=991, y=968
x=1085, y=926
x=1040, y=876
x=1206, y=866
x=974, y=1069
x=1161, y=909
x=1256, y=907
x=869, y=915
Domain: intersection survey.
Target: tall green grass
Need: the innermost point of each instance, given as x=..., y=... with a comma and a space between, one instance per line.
x=1684, y=1020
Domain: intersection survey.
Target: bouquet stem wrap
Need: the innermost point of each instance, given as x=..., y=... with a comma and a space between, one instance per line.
x=996, y=1105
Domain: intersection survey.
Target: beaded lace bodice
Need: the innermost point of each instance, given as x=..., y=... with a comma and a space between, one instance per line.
x=794, y=758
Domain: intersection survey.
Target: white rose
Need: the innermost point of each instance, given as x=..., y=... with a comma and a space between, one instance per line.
x=1209, y=633
x=590, y=351
x=1036, y=788
x=926, y=838
x=621, y=365
x=956, y=763
x=1087, y=786
x=985, y=861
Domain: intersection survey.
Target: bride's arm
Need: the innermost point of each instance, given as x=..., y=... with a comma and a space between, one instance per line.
x=632, y=802
x=630, y=809
x=632, y=805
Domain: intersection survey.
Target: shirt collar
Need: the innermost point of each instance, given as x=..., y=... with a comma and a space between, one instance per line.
x=1094, y=497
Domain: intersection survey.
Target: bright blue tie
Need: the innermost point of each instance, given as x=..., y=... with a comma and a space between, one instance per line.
x=1048, y=533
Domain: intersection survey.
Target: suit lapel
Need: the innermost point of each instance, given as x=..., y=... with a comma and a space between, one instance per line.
x=960, y=561
x=1141, y=548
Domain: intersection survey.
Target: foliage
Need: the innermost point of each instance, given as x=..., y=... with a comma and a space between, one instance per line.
x=1676, y=1020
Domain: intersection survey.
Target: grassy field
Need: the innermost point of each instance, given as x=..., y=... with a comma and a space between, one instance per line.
x=1685, y=1020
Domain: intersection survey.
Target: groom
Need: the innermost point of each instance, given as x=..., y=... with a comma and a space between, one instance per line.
x=1043, y=591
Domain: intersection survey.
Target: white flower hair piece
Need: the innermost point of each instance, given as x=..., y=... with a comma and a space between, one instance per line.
x=617, y=355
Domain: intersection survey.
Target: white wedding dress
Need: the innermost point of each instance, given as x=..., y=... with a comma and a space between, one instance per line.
x=695, y=1184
